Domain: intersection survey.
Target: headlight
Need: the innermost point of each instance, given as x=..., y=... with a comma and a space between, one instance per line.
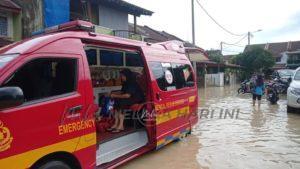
x=295, y=91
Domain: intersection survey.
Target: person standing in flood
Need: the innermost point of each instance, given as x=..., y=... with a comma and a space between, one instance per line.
x=258, y=90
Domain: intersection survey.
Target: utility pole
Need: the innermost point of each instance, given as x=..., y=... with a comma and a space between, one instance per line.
x=193, y=23
x=193, y=37
x=221, y=47
x=249, y=36
x=251, y=33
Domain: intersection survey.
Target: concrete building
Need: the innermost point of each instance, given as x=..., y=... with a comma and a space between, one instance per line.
x=10, y=22
x=110, y=15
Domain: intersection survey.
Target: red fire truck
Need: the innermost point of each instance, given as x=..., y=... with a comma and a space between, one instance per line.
x=50, y=92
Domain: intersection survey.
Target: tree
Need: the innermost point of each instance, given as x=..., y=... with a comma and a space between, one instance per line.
x=255, y=60
x=215, y=56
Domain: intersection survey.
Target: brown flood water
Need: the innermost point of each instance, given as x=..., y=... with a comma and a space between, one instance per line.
x=264, y=138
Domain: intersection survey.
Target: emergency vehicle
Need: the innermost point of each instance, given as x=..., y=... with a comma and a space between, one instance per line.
x=50, y=91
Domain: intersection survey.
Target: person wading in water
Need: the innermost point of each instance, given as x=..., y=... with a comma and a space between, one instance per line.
x=258, y=90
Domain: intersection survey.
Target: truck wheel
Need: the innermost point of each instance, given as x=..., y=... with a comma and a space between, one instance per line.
x=54, y=165
x=290, y=109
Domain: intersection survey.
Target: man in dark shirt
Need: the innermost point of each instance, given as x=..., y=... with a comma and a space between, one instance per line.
x=129, y=95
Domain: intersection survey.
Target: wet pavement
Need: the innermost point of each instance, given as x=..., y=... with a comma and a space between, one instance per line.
x=250, y=137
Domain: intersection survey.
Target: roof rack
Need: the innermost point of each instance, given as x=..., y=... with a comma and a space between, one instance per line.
x=73, y=25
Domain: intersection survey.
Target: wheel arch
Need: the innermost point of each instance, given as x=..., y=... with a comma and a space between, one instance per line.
x=66, y=157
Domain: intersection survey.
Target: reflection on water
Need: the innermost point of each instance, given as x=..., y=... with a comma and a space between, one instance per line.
x=265, y=137
x=180, y=154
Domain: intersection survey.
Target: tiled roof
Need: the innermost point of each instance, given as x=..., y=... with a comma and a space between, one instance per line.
x=295, y=46
x=227, y=57
x=8, y=5
x=152, y=35
x=277, y=48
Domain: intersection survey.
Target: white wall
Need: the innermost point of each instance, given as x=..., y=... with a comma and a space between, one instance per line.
x=113, y=19
x=214, y=79
x=283, y=59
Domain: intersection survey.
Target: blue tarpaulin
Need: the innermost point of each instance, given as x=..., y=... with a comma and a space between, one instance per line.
x=56, y=12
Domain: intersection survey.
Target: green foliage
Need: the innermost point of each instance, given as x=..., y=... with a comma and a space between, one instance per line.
x=255, y=60
x=215, y=56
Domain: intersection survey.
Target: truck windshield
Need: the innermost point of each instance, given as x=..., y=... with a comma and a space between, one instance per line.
x=4, y=59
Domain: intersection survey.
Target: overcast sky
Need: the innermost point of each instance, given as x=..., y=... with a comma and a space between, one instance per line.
x=278, y=19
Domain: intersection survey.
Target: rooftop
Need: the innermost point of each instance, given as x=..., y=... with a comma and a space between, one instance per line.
x=124, y=6
x=277, y=48
x=8, y=5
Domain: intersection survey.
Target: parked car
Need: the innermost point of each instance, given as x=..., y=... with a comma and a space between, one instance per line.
x=284, y=74
x=293, y=93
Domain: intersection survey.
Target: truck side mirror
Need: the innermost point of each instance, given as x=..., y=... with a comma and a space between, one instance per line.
x=11, y=97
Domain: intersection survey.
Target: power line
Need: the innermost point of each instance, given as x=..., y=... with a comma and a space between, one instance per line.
x=216, y=22
x=237, y=42
x=241, y=46
x=231, y=51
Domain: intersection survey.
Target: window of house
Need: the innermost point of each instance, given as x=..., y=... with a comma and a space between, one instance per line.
x=43, y=78
x=278, y=59
x=111, y=58
x=3, y=26
x=91, y=55
x=133, y=59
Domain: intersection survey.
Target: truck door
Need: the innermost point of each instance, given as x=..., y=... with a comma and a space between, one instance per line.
x=173, y=92
x=54, y=104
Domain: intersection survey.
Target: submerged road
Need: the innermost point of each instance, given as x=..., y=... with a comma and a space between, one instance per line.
x=231, y=133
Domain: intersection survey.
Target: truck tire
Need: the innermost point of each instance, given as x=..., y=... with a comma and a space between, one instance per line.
x=54, y=165
x=290, y=109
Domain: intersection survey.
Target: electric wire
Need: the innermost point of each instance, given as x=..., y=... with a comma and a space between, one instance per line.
x=241, y=46
x=237, y=42
x=215, y=21
x=231, y=51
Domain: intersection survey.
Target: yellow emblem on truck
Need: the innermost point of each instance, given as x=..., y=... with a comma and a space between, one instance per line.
x=5, y=137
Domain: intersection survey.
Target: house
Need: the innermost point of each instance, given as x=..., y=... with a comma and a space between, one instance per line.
x=286, y=54
x=227, y=58
x=111, y=16
x=10, y=22
x=151, y=35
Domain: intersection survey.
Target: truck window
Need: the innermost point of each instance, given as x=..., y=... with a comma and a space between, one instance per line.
x=91, y=56
x=133, y=59
x=164, y=75
x=42, y=78
x=172, y=76
x=111, y=58
x=182, y=74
